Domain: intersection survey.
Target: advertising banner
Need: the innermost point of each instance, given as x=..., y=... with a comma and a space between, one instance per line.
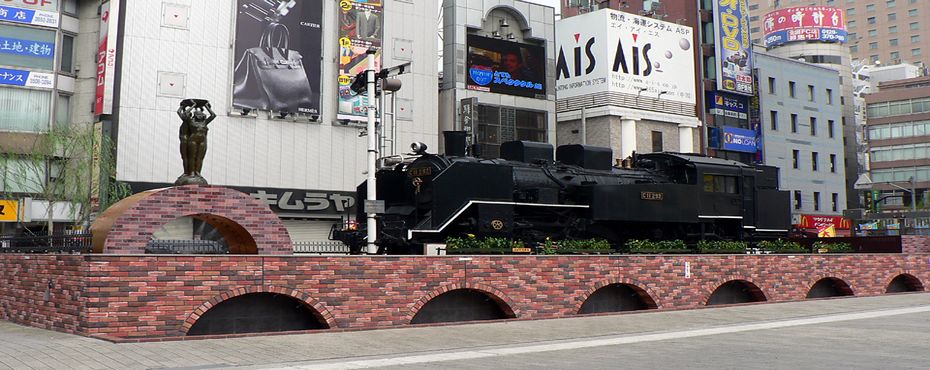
x=278, y=54
x=48, y=5
x=15, y=77
x=9, y=210
x=106, y=57
x=817, y=222
x=739, y=139
x=505, y=67
x=29, y=16
x=734, y=56
x=608, y=50
x=360, y=29
x=29, y=48
x=820, y=23
x=728, y=105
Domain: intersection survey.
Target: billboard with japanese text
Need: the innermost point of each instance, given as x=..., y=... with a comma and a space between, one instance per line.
x=360, y=29
x=608, y=50
x=805, y=23
x=734, y=54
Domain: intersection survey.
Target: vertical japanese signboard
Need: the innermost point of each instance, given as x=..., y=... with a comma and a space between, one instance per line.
x=734, y=57
x=106, y=57
x=360, y=29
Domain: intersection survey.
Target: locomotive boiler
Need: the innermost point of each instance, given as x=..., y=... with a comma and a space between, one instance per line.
x=575, y=192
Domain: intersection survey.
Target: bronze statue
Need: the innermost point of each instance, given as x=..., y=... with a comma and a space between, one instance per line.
x=193, y=135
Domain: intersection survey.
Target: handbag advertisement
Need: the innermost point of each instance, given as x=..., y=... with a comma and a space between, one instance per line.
x=278, y=52
x=360, y=28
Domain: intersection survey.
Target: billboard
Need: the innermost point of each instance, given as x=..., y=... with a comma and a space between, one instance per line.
x=505, y=67
x=278, y=53
x=734, y=56
x=817, y=222
x=106, y=57
x=360, y=29
x=728, y=105
x=608, y=50
x=29, y=16
x=805, y=23
x=16, y=77
x=739, y=139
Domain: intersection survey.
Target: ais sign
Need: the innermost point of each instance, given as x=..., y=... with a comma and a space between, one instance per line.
x=608, y=50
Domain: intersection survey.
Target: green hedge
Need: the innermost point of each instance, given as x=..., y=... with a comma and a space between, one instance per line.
x=782, y=246
x=721, y=246
x=832, y=247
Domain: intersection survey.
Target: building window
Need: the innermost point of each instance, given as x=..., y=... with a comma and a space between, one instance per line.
x=890, y=3
x=870, y=20
x=497, y=125
x=854, y=48
x=795, y=158
x=850, y=11
x=835, y=201
x=873, y=59
x=830, y=96
x=810, y=92
x=791, y=88
x=852, y=36
x=830, y=128
x=915, y=39
x=892, y=16
x=813, y=121
x=914, y=26
x=656, y=141
x=833, y=163
x=912, y=13
x=18, y=175
x=873, y=33
x=873, y=45
x=870, y=7
x=814, y=161
x=63, y=111
x=816, y=200
x=794, y=123
x=915, y=52
x=891, y=30
x=773, y=120
x=66, y=63
x=24, y=110
x=797, y=199
x=710, y=67
x=894, y=56
x=36, y=47
x=893, y=42
x=851, y=24
x=771, y=85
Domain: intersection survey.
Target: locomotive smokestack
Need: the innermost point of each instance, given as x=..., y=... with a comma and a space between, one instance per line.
x=455, y=143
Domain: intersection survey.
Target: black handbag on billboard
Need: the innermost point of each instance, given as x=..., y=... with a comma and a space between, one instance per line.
x=270, y=76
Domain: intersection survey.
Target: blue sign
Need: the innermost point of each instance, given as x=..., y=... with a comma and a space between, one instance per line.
x=807, y=34
x=16, y=77
x=734, y=57
x=481, y=76
x=739, y=139
x=728, y=105
x=27, y=47
x=28, y=16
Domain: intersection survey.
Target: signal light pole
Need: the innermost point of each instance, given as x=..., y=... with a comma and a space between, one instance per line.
x=372, y=186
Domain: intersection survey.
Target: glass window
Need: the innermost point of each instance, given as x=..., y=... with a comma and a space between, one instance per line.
x=893, y=42
x=892, y=16
x=23, y=175
x=850, y=11
x=870, y=20
x=24, y=109
x=914, y=26
x=854, y=48
x=873, y=45
x=813, y=122
x=708, y=33
x=794, y=123
x=833, y=163
x=891, y=29
x=791, y=88
x=69, y=6
x=912, y=13
x=894, y=55
x=771, y=85
x=656, y=141
x=710, y=67
x=814, y=161
x=873, y=33
x=816, y=200
x=870, y=7
x=66, y=64
x=797, y=199
x=720, y=184
x=915, y=39
x=795, y=157
x=810, y=92
x=915, y=52
x=773, y=120
x=27, y=47
x=830, y=128
x=890, y=3
x=830, y=96
x=835, y=201
x=63, y=110
x=851, y=24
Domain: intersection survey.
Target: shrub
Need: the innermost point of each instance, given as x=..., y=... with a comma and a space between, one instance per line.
x=598, y=244
x=780, y=245
x=712, y=246
x=635, y=245
x=833, y=247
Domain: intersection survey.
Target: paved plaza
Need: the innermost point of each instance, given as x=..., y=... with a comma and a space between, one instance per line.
x=873, y=332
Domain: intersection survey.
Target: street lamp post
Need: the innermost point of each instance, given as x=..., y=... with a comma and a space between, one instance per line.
x=372, y=186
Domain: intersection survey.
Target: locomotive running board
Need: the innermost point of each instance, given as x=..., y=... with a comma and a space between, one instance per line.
x=467, y=205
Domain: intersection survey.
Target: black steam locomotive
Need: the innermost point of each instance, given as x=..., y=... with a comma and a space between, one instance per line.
x=527, y=196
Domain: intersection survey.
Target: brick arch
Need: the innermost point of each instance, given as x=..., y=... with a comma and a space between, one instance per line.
x=900, y=273
x=711, y=286
x=581, y=298
x=817, y=278
x=323, y=313
x=506, y=304
x=248, y=225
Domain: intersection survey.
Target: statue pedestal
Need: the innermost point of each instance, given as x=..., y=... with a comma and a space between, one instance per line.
x=190, y=180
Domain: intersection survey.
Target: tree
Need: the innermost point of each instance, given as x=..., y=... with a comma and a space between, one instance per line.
x=70, y=167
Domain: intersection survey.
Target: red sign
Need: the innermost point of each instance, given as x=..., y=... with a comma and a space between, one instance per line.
x=106, y=57
x=49, y=5
x=818, y=222
x=804, y=17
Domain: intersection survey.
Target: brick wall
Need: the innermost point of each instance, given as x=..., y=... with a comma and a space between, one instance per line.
x=162, y=296
x=915, y=243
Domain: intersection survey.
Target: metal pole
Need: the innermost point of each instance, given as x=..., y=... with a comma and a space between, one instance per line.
x=393, y=123
x=381, y=129
x=584, y=126
x=372, y=155
x=913, y=195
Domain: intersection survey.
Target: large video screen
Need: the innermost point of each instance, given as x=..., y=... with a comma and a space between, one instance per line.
x=506, y=67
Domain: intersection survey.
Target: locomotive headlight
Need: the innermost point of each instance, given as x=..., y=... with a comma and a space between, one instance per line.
x=418, y=147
